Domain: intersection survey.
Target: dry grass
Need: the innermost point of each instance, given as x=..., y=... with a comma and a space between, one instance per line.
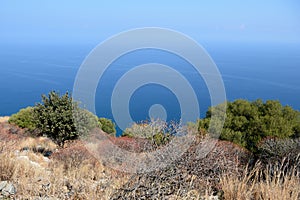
x=70, y=173
x=38, y=144
x=4, y=119
x=73, y=173
x=270, y=183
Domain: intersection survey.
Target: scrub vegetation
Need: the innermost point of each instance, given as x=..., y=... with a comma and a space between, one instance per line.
x=42, y=154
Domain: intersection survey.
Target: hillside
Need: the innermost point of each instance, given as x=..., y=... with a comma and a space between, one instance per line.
x=71, y=172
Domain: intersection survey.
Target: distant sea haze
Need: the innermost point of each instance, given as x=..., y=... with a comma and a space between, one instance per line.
x=249, y=71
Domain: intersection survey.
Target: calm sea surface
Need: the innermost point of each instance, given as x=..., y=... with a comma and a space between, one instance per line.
x=249, y=71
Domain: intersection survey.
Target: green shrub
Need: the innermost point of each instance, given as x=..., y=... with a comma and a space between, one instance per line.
x=84, y=121
x=146, y=129
x=297, y=128
x=161, y=138
x=107, y=126
x=157, y=131
x=61, y=119
x=141, y=130
x=247, y=123
x=24, y=119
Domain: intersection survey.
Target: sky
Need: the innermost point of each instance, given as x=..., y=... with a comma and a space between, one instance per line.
x=56, y=21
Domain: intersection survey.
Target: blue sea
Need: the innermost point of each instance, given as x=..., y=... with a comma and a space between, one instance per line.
x=249, y=71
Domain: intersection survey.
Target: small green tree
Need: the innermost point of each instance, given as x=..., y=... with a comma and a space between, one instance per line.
x=61, y=119
x=24, y=119
x=107, y=126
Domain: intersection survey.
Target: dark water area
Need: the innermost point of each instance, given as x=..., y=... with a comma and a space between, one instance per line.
x=249, y=71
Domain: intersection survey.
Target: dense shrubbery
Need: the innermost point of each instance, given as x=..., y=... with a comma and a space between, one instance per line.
x=24, y=119
x=248, y=122
x=107, y=126
x=84, y=121
x=61, y=119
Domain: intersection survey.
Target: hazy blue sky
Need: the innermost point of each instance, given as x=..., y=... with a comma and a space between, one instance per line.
x=93, y=21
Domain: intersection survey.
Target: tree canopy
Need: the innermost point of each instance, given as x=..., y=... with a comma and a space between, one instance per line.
x=248, y=122
x=61, y=119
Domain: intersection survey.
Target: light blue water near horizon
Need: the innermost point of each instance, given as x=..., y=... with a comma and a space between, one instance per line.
x=249, y=71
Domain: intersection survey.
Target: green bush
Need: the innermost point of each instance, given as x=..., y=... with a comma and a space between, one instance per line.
x=141, y=130
x=84, y=121
x=157, y=131
x=161, y=138
x=146, y=129
x=247, y=123
x=297, y=128
x=24, y=119
x=107, y=126
x=61, y=119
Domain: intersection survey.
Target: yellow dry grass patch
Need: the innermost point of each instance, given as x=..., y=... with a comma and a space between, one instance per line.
x=68, y=177
x=72, y=173
x=36, y=143
x=4, y=119
x=275, y=184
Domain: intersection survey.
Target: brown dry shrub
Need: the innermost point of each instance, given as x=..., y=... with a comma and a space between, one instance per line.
x=73, y=156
